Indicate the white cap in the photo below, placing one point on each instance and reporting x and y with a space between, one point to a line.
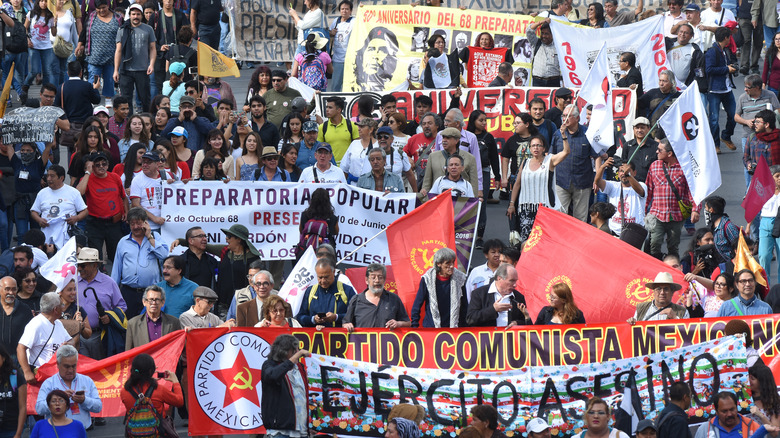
536 425
100 109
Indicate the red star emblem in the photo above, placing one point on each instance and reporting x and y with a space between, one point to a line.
241 381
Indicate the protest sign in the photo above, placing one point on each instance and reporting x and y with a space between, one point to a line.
30 125
215 410
272 212
501 105
578 47
389 42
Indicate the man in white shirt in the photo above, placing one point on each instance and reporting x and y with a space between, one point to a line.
324 171
453 179
686 59
57 207
634 195
42 336
712 18
482 274
146 189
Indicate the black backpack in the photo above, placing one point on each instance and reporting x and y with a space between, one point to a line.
15 38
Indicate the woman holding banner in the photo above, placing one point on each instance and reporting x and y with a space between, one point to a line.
284 405
442 71
485 44
562 309
764 393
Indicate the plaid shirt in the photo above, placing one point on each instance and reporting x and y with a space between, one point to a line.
660 195
754 150
116 129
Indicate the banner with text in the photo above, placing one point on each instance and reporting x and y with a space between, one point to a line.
500 104
350 397
272 212
578 47
225 389
264 31
30 125
389 42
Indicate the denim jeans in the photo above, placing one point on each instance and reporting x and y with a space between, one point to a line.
225 39
20 69
769 35
336 81
60 70
767 245
45 65
106 72
714 101
209 34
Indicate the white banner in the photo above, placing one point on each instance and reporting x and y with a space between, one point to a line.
578 47
301 277
61 268
272 211
596 90
686 126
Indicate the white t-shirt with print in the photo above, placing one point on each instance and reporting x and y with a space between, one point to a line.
149 191
55 206
634 205
42 339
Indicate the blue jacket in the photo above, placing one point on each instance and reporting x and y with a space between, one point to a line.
197 129
716 67
324 301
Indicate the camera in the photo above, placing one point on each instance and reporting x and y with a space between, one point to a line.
708 255
433 53
617 161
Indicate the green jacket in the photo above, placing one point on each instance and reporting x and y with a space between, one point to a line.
768 11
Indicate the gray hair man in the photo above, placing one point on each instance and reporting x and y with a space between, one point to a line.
14 317
250 313
325 303
153 324
468 141
42 336
83 393
376 307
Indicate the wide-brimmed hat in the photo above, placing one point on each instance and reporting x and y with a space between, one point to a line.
663 279
319 41
88 255
270 151
242 233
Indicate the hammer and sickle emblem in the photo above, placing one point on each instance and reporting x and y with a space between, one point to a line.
245 383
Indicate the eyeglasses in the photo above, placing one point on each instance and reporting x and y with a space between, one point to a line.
32 280
101 163
599 413
746 281
263 283
720 284
154 300
282 310
277 80
200 236
383 137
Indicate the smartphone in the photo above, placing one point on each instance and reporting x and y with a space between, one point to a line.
79 392
96 79
322 315
161 374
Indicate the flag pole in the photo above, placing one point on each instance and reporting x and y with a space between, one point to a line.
639 146
362 245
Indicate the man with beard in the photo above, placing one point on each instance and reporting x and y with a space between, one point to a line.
420 146
14 317
376 307
134 57
376 61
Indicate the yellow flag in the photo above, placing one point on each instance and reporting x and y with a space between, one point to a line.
744 260
214 64
6 91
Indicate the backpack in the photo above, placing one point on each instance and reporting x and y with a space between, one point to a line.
313 72
315 233
143 420
15 38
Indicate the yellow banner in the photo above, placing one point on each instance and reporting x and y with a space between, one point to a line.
389 43
6 90
214 64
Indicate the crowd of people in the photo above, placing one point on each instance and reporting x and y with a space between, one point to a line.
167 125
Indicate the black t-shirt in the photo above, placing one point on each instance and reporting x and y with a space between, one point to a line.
554 115
510 150
208 11
9 399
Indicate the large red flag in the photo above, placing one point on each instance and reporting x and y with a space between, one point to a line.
606 275
762 187
413 239
110 374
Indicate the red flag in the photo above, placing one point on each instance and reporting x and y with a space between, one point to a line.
358 278
414 238
110 374
762 187
593 264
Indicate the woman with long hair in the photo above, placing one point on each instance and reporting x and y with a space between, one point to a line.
134 133
178 139
142 381
41 25
215 140
210 170
107 139
89 142
717 292
595 17
289 157
562 309
764 393
397 122
175 169
517 148
771 73
58 425
365 106
488 151
320 208
13 386
259 83
313 46
65 22
451 80
131 166
161 117
245 167
160 101
293 133
535 185
28 289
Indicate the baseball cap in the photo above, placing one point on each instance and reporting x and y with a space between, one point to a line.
154 156
98 156
325 146
450 132
310 126
389 130
177 68
644 424
537 425
186 99
100 109
298 104
179 131
640 121
693 7
135 6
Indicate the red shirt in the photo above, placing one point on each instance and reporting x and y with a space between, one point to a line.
418 142
162 397
105 196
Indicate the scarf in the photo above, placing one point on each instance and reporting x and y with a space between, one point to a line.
406 428
457 281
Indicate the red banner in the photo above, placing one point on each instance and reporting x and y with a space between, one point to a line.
224 365
556 237
110 374
483 65
413 240
762 187
358 278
